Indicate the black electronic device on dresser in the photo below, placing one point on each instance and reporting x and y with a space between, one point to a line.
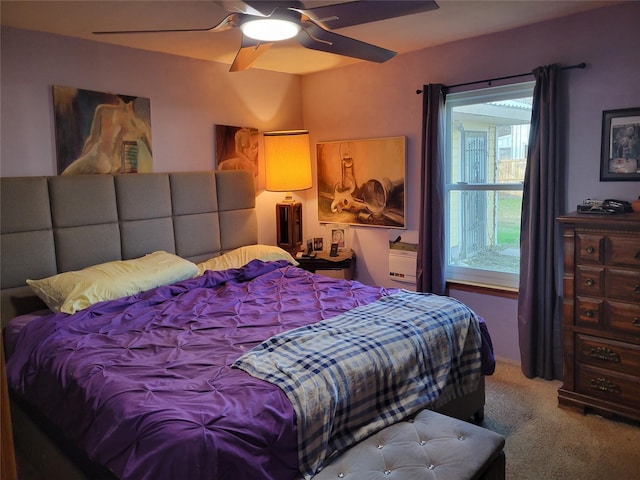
601 314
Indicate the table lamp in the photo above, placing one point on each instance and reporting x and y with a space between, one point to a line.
288 169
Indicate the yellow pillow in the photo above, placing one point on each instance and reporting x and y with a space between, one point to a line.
70 292
243 255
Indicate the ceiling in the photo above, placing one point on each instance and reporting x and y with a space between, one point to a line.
454 20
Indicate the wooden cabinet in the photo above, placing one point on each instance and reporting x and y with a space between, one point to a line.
601 314
289 226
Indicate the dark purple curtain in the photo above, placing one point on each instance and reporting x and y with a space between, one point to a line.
431 249
539 298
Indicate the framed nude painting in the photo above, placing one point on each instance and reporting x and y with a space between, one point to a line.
100 132
237 149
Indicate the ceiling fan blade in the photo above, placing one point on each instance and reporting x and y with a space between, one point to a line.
248 53
364 11
262 8
317 38
230 21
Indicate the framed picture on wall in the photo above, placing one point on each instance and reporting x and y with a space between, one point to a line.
98 132
237 149
620 145
362 182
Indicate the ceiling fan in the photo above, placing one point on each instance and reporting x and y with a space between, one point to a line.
264 22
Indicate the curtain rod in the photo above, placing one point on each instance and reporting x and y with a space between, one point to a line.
489 80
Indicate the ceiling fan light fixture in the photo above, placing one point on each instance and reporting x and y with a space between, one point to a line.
270 29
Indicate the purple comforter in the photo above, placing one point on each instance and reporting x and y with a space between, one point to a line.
143 384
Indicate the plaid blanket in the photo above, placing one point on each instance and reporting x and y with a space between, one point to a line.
354 374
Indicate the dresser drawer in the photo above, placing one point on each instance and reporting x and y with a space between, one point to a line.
615 356
622 284
590 281
614 387
589 312
623 251
590 248
623 317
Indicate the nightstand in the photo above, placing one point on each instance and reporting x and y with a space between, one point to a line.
342 266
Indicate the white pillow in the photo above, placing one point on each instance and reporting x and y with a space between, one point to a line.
72 291
243 255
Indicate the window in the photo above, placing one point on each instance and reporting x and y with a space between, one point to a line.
487 134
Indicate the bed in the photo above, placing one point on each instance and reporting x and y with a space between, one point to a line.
233 364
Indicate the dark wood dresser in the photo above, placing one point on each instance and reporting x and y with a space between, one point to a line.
601 314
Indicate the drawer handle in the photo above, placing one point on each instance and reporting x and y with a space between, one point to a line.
590 249
590 282
604 385
603 353
589 313
636 322
636 290
637 255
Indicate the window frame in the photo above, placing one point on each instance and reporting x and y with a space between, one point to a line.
469 275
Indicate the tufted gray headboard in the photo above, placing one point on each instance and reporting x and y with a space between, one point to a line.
56 224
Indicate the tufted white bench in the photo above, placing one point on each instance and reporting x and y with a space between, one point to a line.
429 447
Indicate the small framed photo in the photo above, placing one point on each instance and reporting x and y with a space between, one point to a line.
620 160
338 234
318 244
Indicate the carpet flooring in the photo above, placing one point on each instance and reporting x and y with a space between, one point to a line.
544 442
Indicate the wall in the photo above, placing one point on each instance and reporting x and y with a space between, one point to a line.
188 97
371 100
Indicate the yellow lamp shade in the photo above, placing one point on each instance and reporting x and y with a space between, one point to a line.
287 160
